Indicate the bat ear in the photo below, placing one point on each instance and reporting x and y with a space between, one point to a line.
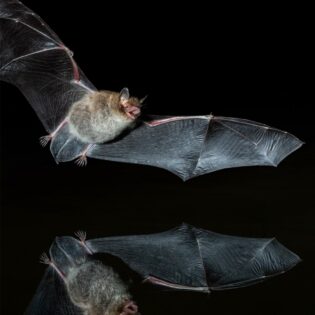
124 95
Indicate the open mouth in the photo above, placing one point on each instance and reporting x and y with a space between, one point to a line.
131 111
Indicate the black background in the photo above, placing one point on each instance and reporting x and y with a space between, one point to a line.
254 63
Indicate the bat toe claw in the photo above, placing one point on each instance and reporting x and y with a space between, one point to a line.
44 259
81 161
81 235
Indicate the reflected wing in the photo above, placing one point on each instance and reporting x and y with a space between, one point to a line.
51 297
187 258
35 60
233 262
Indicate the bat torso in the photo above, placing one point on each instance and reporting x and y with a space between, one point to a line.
97 289
99 117
184 258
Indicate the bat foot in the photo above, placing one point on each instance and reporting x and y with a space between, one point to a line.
81 235
44 259
130 308
44 140
81 161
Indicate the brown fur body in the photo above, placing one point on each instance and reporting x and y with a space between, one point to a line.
97 289
100 116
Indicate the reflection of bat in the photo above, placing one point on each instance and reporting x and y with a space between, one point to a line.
184 258
83 122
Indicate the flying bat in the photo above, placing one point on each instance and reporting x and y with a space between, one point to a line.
184 258
83 122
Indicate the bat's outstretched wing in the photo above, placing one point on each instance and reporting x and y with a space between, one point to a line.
187 258
192 146
35 60
51 297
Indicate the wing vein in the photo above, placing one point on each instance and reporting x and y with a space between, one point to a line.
203 143
239 133
202 262
245 122
32 28
30 54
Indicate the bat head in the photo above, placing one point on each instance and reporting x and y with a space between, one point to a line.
129 106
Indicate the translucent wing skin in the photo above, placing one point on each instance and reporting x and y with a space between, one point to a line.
34 59
195 146
188 258
51 297
184 258
188 146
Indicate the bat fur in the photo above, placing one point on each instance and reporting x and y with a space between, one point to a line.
184 258
97 289
101 116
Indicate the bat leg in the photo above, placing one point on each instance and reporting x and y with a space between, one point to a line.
45 139
44 259
130 308
82 159
81 235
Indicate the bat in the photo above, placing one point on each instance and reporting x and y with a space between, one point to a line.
183 258
83 122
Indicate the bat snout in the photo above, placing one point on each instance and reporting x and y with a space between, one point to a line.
131 108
